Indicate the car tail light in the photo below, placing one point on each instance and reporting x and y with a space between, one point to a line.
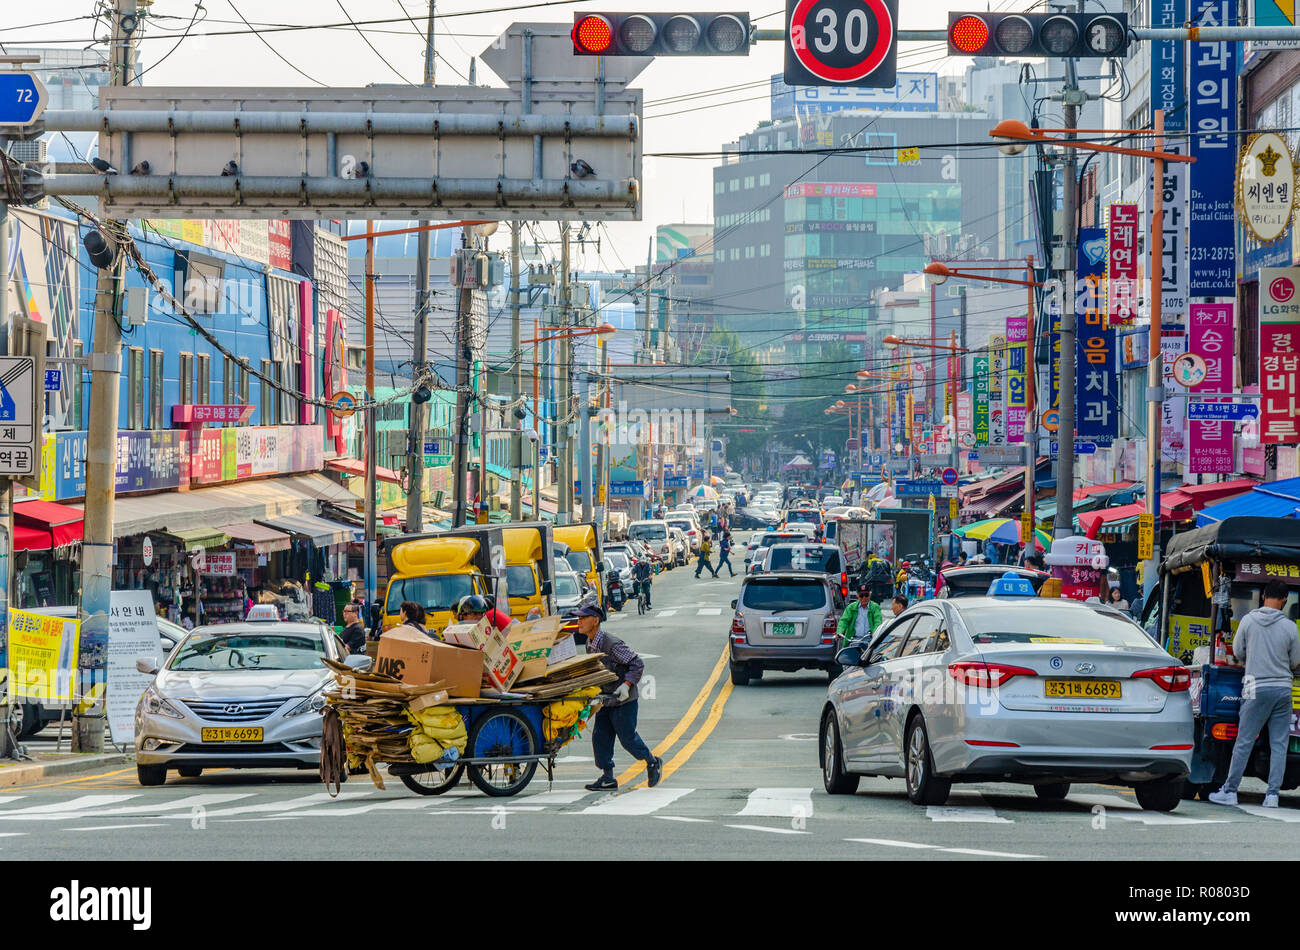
1224 730
844 585
1172 679
986 674
737 628
828 630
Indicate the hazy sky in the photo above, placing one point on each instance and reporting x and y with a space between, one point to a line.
674 189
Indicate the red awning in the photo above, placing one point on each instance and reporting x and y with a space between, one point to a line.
1093 521
1183 503
357 469
62 524
31 539
1085 491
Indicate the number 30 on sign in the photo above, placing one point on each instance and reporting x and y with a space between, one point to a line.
841 43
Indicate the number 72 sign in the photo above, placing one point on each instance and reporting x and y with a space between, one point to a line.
841 43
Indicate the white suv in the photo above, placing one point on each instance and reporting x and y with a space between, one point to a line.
657 537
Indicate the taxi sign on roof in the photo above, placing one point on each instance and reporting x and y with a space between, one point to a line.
1012 584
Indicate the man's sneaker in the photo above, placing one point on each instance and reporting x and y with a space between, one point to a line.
605 783
1270 801
655 767
1223 798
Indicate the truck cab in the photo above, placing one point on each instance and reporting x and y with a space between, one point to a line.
530 568
584 554
439 568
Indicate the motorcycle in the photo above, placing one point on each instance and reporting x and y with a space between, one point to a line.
615 595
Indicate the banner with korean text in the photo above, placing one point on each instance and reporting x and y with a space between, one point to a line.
1121 262
1017 341
1279 354
1096 374
981 400
1209 336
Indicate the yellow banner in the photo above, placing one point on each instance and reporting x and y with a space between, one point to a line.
1026 528
42 656
1146 536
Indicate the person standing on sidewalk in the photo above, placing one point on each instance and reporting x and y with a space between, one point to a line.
354 634
617 715
706 549
1269 643
724 554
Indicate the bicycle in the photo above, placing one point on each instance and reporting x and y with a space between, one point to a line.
642 597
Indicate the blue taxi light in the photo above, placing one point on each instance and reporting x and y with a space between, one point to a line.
1012 584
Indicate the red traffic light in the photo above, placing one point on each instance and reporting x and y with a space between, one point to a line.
968 34
593 34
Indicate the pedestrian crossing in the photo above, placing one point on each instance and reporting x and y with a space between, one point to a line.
792 807
664 613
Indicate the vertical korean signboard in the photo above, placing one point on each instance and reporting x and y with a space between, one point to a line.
1173 441
1279 354
1210 336
997 387
981 400
1212 104
1096 388
1017 341
1169 92
1121 263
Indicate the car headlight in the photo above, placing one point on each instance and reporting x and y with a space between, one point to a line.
153 701
313 703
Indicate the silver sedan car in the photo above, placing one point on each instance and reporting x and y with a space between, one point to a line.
240 695
1009 689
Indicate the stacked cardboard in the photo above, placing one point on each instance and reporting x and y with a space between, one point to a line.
567 677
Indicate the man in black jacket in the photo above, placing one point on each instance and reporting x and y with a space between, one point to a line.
354 634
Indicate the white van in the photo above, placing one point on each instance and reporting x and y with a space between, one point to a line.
656 536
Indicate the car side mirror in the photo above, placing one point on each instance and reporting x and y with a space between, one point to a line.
358 662
546 588
733 604
146 665
849 656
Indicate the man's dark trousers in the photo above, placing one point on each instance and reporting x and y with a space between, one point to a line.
620 721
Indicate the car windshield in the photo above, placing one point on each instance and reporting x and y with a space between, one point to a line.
808 517
566 585
204 651
684 525
784 594
1051 626
435 592
800 557
647 532
520 581
618 559
579 560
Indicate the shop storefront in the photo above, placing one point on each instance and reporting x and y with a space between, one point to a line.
47 553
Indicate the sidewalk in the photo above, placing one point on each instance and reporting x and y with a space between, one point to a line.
47 765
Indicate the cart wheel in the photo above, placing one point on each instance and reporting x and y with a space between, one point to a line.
434 782
498 735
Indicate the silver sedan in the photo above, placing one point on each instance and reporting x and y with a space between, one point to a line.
1009 689
241 695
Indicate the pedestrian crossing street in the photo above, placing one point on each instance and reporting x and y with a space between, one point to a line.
797 808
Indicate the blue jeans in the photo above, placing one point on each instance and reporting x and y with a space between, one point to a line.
1270 707
725 559
620 721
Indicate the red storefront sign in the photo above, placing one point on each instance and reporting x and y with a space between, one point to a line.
1121 262
1279 354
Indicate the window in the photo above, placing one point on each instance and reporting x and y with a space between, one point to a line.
156 419
135 389
749 182
270 396
764 179
734 185
784 594
924 635
78 419
187 379
203 279
765 250
229 382
243 382
1048 621
202 379
719 187
890 642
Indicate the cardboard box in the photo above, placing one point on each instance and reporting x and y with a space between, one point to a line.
429 699
532 641
460 669
564 649
472 635
406 654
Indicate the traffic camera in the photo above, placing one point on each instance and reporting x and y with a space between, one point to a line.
661 34
1067 35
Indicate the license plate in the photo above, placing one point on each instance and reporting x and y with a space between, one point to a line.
1083 689
233 734
783 630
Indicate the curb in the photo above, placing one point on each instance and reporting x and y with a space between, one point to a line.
28 772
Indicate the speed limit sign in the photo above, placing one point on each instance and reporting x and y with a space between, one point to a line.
841 43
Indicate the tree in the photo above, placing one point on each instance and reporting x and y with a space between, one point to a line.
725 351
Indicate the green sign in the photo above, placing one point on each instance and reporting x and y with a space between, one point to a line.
981 421
436 461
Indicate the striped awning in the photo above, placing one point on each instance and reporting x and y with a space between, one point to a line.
264 540
200 538
321 532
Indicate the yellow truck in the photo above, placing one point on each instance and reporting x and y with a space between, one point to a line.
530 568
584 554
437 569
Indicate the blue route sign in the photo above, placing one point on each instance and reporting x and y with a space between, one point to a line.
1222 411
918 488
22 99
1080 448
53 380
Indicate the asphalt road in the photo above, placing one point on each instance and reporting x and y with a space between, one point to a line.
741 781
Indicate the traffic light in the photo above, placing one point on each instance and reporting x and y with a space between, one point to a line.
1077 35
661 34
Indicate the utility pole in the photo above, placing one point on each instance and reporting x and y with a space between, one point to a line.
6 485
564 496
415 437
372 418
649 292
517 387
1155 368
101 435
1064 524
460 460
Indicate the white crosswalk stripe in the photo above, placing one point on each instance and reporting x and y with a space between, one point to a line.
639 801
709 612
284 806
69 808
188 803
971 813
670 612
1119 807
778 803
1277 814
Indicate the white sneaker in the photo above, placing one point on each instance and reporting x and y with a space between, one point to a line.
1223 798
1270 801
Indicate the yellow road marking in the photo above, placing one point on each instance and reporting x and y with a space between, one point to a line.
697 740
72 781
682 724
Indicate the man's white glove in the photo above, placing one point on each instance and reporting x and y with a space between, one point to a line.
623 692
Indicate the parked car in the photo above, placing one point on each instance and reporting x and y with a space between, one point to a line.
820 558
568 592
784 621
654 535
681 545
1010 688
238 695
974 581
689 526
752 519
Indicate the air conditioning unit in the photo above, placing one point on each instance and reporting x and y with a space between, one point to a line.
30 151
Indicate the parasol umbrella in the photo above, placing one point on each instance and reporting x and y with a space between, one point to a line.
702 491
1001 531
717 482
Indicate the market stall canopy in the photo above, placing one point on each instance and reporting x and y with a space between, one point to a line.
1183 503
1109 520
799 461
321 532
1000 531
263 539
1235 537
200 538
227 504
1109 488
31 539
357 469
61 524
